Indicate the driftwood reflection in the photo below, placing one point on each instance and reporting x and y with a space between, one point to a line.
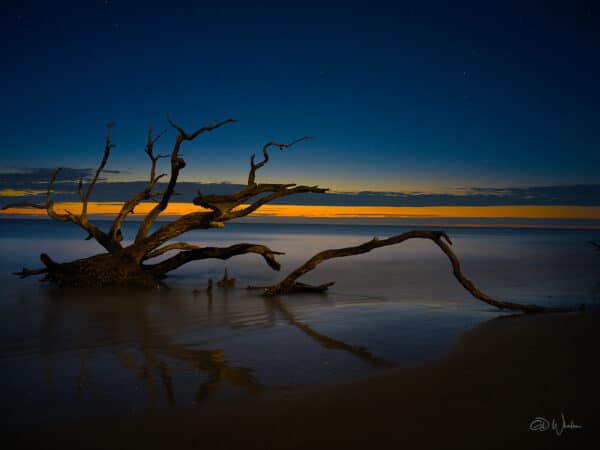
149 354
90 322
277 304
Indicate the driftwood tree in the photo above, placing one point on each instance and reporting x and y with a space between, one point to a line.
131 265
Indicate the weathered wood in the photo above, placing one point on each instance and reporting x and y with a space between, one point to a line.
255 166
223 253
440 238
127 265
177 164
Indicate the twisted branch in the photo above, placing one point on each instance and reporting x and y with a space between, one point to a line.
222 206
129 206
440 238
222 210
168 248
283 191
223 253
177 163
254 167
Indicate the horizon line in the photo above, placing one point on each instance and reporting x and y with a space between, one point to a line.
347 212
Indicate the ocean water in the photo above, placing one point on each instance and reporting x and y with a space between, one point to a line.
70 353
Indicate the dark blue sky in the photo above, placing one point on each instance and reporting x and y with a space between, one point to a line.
400 95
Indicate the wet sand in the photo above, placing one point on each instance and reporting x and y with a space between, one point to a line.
484 394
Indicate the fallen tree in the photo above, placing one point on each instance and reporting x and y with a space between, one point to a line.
131 265
440 238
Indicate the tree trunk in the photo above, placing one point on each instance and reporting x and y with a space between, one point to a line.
107 269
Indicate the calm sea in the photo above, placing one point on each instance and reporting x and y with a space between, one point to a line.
67 353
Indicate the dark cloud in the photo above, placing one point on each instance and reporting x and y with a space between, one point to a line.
35 176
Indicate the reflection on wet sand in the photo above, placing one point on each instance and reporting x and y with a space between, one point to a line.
126 323
277 304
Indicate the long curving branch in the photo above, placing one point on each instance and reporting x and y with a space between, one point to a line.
224 253
440 238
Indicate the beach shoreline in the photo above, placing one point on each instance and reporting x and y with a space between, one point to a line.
498 378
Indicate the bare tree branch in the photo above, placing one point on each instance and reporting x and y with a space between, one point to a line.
221 206
48 206
184 257
168 248
107 147
282 192
78 219
191 136
288 284
254 167
129 206
187 222
177 163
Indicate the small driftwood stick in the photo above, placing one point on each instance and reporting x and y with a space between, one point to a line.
226 281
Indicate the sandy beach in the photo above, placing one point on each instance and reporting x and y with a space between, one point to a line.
485 393
177 369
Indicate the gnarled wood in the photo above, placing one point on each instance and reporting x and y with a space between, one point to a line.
223 253
254 167
126 265
440 238
129 206
167 248
177 163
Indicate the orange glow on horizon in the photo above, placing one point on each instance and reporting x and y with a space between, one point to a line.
341 212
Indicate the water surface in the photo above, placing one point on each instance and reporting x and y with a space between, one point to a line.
67 353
